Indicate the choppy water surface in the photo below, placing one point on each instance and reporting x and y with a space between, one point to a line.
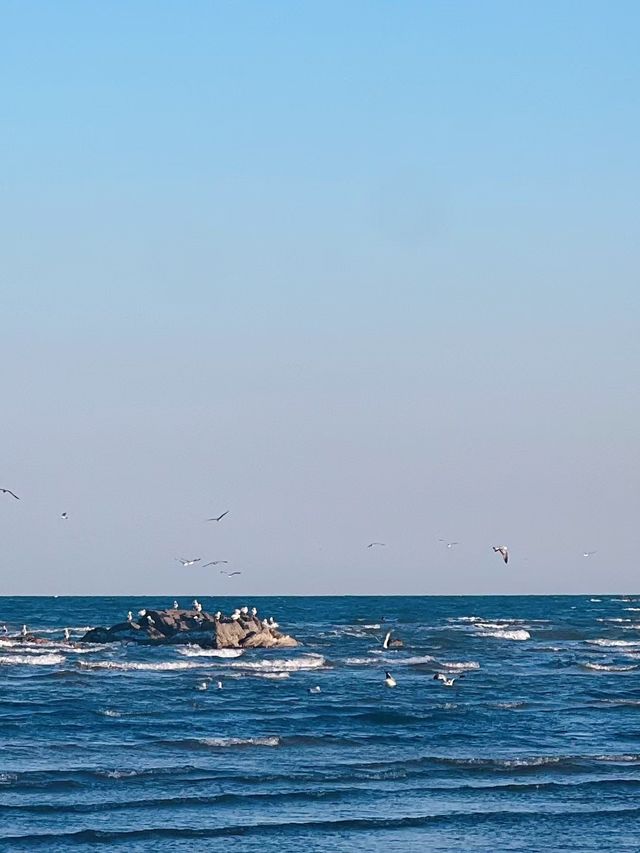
536 748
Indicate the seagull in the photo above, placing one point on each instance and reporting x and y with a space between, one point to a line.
254 611
219 685
589 553
220 517
214 563
65 515
503 550
229 574
389 680
448 544
373 544
188 562
197 606
9 492
446 682
67 634
176 606
315 689
218 615
244 611
129 616
203 685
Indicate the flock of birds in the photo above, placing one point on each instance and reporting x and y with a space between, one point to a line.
503 550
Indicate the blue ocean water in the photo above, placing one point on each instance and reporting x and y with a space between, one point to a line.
536 748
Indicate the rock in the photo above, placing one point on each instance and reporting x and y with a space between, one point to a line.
188 626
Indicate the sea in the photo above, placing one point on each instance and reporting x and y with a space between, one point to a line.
535 746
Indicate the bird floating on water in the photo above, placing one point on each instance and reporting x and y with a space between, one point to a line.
503 551
389 680
202 685
9 492
315 689
219 685
220 517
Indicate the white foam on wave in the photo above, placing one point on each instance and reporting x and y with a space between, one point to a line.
606 667
595 599
517 634
460 665
304 662
32 660
632 609
193 652
613 619
108 712
372 627
601 641
162 666
221 742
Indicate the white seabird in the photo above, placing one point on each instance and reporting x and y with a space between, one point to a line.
503 551
449 544
188 562
197 606
315 689
254 611
389 680
235 615
218 614
446 681
244 611
176 606
202 685
385 644
589 553
24 631
67 634
129 616
219 685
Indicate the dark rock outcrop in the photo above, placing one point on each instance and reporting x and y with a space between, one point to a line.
189 626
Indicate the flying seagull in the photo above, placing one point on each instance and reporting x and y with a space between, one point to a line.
373 544
503 551
214 563
188 562
446 681
220 517
448 544
65 515
9 492
229 574
589 553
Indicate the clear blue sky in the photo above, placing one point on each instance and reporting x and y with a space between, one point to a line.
354 271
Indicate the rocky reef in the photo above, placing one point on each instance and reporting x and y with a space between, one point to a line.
241 631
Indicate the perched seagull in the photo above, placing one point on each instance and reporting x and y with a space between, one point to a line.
389 680
503 551
244 611
129 616
235 615
218 614
448 544
220 517
373 544
589 553
9 492
229 574
254 611
188 562
197 606
65 516
142 612
214 563
176 606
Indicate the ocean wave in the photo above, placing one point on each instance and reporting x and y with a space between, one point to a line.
222 742
517 634
460 665
32 660
193 652
304 662
133 666
606 667
601 641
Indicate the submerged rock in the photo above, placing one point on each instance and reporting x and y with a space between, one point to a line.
189 626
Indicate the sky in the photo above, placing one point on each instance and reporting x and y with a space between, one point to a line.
355 272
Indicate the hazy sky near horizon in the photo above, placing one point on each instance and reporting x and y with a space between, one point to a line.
353 271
